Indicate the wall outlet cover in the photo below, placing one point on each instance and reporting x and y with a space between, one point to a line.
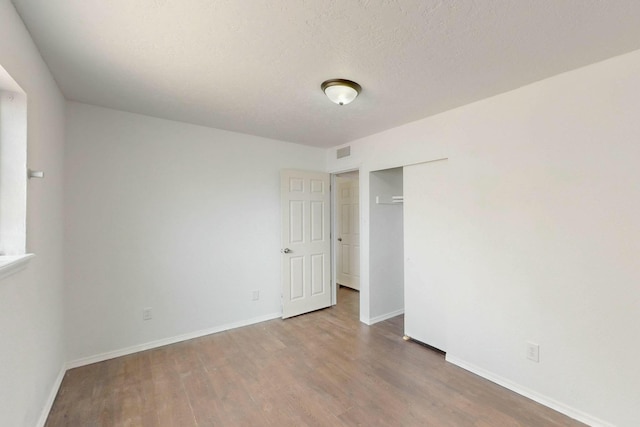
533 352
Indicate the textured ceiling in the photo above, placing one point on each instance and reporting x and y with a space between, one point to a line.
255 66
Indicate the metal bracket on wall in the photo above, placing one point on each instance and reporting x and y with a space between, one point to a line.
389 200
34 174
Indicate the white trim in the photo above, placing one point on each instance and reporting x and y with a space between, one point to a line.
386 316
533 395
12 264
166 341
52 397
334 252
345 169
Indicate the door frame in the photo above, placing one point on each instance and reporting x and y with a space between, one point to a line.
334 231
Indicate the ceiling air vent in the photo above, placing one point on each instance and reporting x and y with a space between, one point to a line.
343 152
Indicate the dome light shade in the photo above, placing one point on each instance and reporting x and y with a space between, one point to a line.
341 91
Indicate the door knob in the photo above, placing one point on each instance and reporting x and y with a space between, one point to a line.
339 239
286 251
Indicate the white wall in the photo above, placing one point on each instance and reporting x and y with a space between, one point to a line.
390 149
386 278
31 334
177 217
544 238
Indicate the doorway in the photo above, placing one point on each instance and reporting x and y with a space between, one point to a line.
346 232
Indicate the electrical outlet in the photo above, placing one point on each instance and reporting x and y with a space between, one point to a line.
255 295
147 314
533 352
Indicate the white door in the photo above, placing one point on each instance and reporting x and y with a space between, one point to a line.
426 249
306 243
348 232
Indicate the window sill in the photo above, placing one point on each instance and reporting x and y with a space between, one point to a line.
12 264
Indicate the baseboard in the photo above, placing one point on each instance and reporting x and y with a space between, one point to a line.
166 341
386 316
543 400
52 397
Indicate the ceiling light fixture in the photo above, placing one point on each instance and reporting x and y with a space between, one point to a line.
341 91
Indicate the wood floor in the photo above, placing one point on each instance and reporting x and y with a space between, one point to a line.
321 369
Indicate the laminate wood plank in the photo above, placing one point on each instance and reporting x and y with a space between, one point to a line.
324 368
